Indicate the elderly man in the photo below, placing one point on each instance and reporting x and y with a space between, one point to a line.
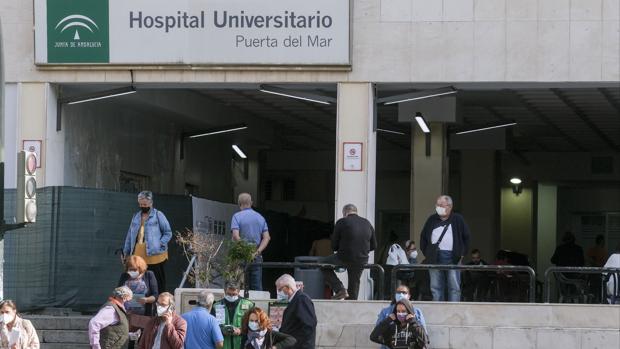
167 330
353 238
447 233
299 318
148 237
229 312
109 329
203 330
250 226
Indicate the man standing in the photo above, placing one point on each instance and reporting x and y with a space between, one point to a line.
450 232
203 331
250 226
299 318
353 238
229 312
167 330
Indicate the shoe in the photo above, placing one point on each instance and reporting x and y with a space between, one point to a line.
342 294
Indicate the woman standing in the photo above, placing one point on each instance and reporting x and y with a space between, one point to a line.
142 283
400 330
15 332
148 237
256 329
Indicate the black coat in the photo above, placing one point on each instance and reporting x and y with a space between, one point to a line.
353 238
273 338
460 235
151 287
299 320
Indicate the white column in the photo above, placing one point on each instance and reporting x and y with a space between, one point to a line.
355 124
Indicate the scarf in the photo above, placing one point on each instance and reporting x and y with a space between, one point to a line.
256 338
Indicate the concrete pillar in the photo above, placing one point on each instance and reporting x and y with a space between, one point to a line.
479 199
32 121
355 124
429 175
546 226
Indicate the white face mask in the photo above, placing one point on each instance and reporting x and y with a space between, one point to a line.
253 325
161 310
133 274
400 296
441 211
6 318
414 254
231 299
282 297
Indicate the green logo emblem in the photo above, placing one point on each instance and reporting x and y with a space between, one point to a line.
78 31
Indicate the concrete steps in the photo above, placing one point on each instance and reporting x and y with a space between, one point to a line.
61 332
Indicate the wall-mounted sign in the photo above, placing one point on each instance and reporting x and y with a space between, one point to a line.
352 156
35 147
193 32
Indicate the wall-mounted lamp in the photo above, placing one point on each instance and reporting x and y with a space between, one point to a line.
422 123
517 188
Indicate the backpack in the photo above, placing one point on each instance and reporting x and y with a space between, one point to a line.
396 256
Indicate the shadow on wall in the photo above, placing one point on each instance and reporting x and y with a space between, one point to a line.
66 259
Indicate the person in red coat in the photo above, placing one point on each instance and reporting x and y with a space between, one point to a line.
167 330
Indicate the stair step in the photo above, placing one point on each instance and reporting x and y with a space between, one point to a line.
63 336
42 322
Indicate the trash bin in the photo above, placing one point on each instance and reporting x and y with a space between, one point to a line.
311 277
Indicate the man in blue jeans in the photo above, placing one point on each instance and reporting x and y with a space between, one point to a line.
453 246
251 226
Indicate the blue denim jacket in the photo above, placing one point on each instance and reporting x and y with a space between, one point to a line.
157 233
385 312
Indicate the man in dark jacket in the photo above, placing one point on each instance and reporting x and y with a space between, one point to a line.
353 238
299 318
453 246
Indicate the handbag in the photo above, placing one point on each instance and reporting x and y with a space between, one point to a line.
433 250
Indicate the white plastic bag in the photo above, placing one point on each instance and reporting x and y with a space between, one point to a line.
396 255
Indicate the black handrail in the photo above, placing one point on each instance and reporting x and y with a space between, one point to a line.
583 270
487 268
288 265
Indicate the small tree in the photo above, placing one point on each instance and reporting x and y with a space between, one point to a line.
240 253
205 247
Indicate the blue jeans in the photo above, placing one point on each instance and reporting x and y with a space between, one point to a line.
256 275
441 278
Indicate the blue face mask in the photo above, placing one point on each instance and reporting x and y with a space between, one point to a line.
400 296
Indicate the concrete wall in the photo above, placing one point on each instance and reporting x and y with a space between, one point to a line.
516 226
427 40
547 207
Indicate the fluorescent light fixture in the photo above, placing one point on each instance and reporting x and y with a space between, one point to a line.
239 151
304 96
101 95
219 131
515 180
422 123
391 131
486 128
414 96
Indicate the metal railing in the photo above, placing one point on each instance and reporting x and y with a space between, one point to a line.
288 265
479 268
580 270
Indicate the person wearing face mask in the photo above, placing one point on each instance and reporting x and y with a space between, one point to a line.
257 333
229 311
166 330
142 283
400 329
148 237
203 330
445 240
402 292
15 332
299 318
109 328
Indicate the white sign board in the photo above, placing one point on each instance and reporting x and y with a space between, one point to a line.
193 32
352 156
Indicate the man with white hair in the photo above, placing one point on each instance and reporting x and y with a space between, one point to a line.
445 240
109 329
353 238
251 226
299 318
203 330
